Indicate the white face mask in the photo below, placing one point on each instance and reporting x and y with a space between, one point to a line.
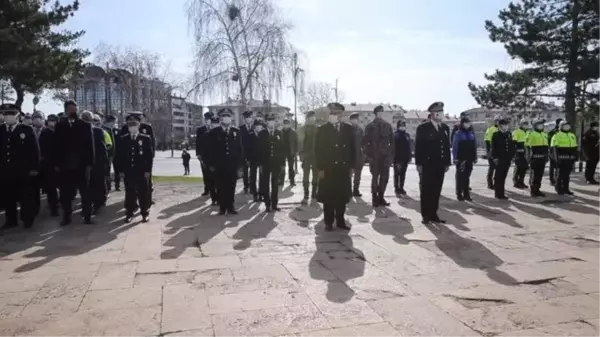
226 120
271 124
310 120
10 119
566 128
38 122
333 119
133 129
354 121
525 126
258 128
504 128
466 125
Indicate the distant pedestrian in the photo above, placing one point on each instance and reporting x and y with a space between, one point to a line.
185 156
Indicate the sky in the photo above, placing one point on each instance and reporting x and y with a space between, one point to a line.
404 52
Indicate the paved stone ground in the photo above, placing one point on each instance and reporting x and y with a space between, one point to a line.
522 267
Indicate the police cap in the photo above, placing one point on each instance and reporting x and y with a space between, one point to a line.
310 114
134 116
208 115
247 113
52 118
9 108
558 121
436 107
225 112
335 108
378 108
354 115
271 117
214 119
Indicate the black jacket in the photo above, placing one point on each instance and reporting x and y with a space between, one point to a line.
19 152
135 155
225 151
290 141
271 151
432 147
590 144
402 153
73 146
502 147
45 142
100 149
201 139
145 129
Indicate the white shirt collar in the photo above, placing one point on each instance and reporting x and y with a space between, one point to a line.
134 135
435 124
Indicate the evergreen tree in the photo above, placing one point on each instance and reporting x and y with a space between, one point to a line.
35 55
557 41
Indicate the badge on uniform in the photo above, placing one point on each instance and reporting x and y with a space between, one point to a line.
143 130
22 135
277 137
141 152
234 134
140 142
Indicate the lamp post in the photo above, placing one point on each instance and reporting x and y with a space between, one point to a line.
297 70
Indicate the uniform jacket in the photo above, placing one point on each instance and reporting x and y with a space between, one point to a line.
100 149
45 142
432 147
247 133
270 149
19 151
145 129
402 152
73 145
201 140
464 146
290 141
502 147
307 152
185 156
336 156
225 151
378 141
135 154
359 134
590 144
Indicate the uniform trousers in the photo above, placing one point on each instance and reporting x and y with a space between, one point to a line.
117 173
380 175
50 187
463 178
332 211
269 177
98 187
252 178
500 177
563 176
536 174
246 176
552 171
400 175
291 173
19 191
490 172
226 179
137 192
107 172
431 182
205 177
186 167
590 169
71 182
357 174
519 171
310 177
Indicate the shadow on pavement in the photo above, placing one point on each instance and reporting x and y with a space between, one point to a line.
594 194
257 228
517 201
182 208
479 206
387 222
360 209
302 215
469 253
344 269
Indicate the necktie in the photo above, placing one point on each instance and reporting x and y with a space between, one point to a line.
10 128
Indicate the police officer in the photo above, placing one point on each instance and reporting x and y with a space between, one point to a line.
37 123
464 152
552 170
19 166
536 151
210 177
359 158
335 158
272 154
290 141
98 190
201 145
47 174
378 146
501 152
26 119
402 156
226 158
489 133
564 150
307 155
73 158
258 127
146 129
519 136
591 152
246 131
109 127
135 153
432 157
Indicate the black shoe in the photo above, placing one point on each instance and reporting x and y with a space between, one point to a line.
329 227
152 202
268 210
205 193
460 198
438 220
467 198
118 189
425 221
569 192
255 198
383 202
66 221
342 225
88 220
222 212
28 224
490 187
402 192
501 197
292 183
54 213
470 189
232 211
593 182
8 225
128 219
375 203
145 218
214 203
356 193
276 209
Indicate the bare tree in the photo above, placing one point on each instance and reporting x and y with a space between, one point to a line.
315 95
239 42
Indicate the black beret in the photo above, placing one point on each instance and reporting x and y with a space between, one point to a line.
354 115
401 123
310 114
436 107
337 107
378 108
9 107
247 113
52 117
464 120
208 115
593 124
225 111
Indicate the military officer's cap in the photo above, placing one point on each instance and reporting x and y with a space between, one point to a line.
354 115
52 118
134 116
335 108
247 113
110 118
310 114
503 121
378 108
436 107
208 115
225 112
9 107
593 124
400 123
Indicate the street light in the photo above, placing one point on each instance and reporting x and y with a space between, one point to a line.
297 70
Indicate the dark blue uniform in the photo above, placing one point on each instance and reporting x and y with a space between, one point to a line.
271 155
246 132
464 151
502 152
98 188
225 157
47 174
135 153
19 164
402 156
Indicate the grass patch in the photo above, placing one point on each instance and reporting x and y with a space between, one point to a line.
177 179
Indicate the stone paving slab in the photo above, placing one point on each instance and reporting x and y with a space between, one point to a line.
521 267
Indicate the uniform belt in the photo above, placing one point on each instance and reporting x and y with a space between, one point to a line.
564 157
538 156
520 150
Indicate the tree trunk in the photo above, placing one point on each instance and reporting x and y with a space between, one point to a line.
20 96
572 72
